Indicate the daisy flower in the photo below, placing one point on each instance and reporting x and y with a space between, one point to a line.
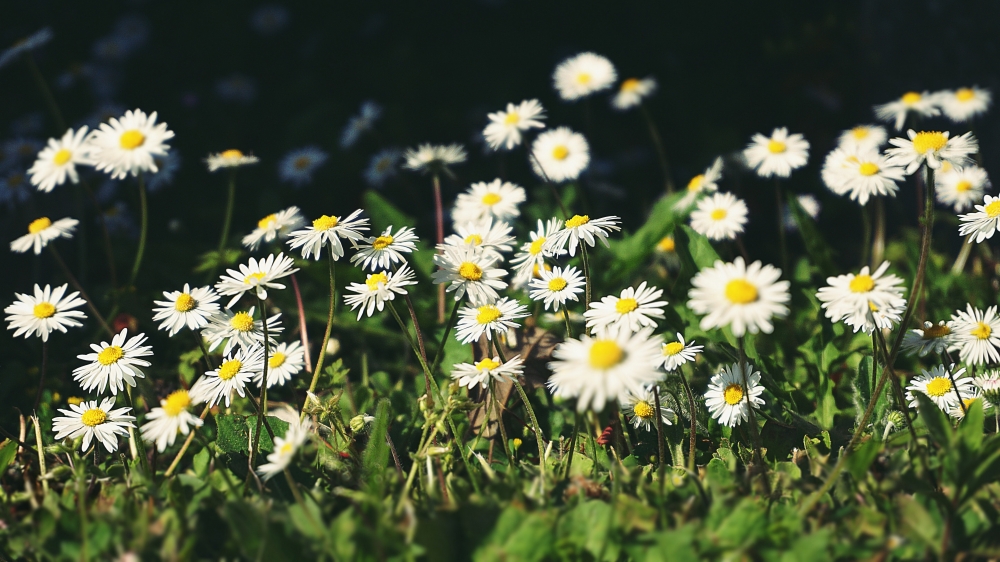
582 75
497 199
273 226
937 385
328 230
964 104
380 252
933 338
92 420
47 310
433 157
922 104
632 92
862 138
506 127
864 175
743 298
579 229
58 160
864 301
128 144
239 329
231 158
532 255
809 204
557 286
113 364
479 374
640 409
932 148
961 188
778 154
958 411
382 166
297 166
171 417
285 448
472 271
975 334
360 124
981 224
188 307
727 399
604 367
677 353
560 154
719 217
492 238
377 289
41 231
236 371
989 384
255 277
705 182
633 310
499 317
283 362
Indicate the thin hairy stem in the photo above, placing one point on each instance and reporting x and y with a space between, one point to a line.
76 285
326 335
143 230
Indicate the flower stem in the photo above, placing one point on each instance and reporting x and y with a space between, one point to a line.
659 427
262 410
878 244
226 221
569 328
326 334
439 356
302 322
963 256
779 201
586 271
754 433
76 285
41 456
41 378
430 387
531 414
439 238
694 422
661 154
187 443
43 87
139 445
143 230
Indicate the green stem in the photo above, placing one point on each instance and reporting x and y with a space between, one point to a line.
781 224
430 386
659 427
586 272
76 285
572 443
754 433
226 222
187 443
661 153
143 230
46 92
439 356
326 334
139 445
569 328
878 245
262 410
694 422
531 414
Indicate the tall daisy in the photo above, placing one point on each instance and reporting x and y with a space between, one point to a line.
640 409
582 75
482 372
741 297
231 158
634 310
933 338
964 104
128 145
921 104
866 174
497 199
472 271
47 310
728 401
506 126
239 329
778 154
386 249
377 289
937 385
961 188
283 362
983 222
705 182
533 254
560 155
676 353
274 226
932 148
255 277
557 286
93 420
171 417
188 307
719 217
580 229
236 371
41 231
59 159
498 317
434 158
114 364
975 334
862 138
328 231
864 301
632 91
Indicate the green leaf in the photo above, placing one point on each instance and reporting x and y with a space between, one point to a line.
694 248
376 454
633 251
8 450
235 432
971 427
862 458
936 421
818 250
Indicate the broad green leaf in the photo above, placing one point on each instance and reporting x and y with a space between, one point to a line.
236 431
8 450
376 454
818 250
936 421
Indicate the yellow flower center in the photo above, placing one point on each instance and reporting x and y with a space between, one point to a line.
487 364
536 272
695 183
733 394
935 332
44 310
254 277
276 360
963 186
938 386
630 85
62 157
325 222
624 306
511 119
860 133
287 449
176 402
673 348
491 199
229 369
184 303
868 169
666 244
776 146
577 220
605 354
382 242
964 94
39 225
740 291
470 271
583 78
560 152
110 355
926 141
93 417
536 246
374 279
74 400
643 409
131 139
232 154
982 331
487 314
718 214
910 98
474 239
557 284
242 321
993 209
267 221
861 284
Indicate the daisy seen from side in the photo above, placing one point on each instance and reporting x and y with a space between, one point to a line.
964 104
931 339
170 418
491 237
386 249
239 329
255 277
434 157
921 104
705 182
274 226
471 375
778 154
233 375
329 231
982 223
864 301
676 353
961 188
285 448
937 385
581 229
231 158
532 254
377 289
862 137
57 162
632 91
497 199
506 127
41 231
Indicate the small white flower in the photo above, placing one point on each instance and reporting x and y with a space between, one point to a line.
933 338
922 104
964 104
283 362
532 255
961 188
741 297
433 158
634 310
128 145
497 199
492 238
499 317
41 231
479 374
640 409
285 448
380 252
560 155
727 399
677 353
989 384
231 158
377 289
171 417
719 217
557 286
59 159
328 230
937 385
271 227
864 301
234 374
862 175
932 148
778 154
581 229
472 271
506 127
93 420
632 92
43 312
255 277
705 182
975 334
862 138
239 329
112 365
582 75
189 307
981 224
